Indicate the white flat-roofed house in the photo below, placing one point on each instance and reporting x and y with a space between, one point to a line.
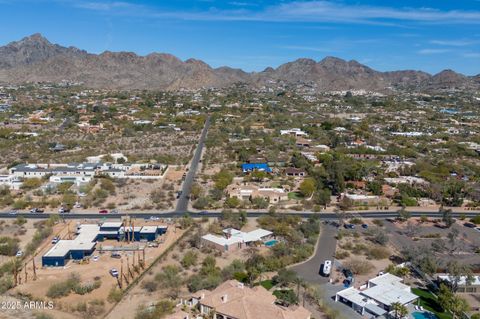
235 239
10 181
294 131
381 292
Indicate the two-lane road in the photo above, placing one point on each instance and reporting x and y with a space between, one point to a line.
182 203
177 214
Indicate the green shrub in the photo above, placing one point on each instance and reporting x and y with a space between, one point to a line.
115 295
378 252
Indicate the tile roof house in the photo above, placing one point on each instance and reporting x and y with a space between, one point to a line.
248 192
233 300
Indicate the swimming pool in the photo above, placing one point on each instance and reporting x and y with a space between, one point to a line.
271 243
424 315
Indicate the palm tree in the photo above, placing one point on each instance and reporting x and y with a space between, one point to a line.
399 309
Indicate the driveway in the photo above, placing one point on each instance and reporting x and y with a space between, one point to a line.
326 244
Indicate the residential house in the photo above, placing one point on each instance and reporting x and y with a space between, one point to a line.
294 131
463 285
234 239
248 192
293 171
376 299
249 167
234 300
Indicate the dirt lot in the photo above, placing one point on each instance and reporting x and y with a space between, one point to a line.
37 289
357 246
415 234
138 296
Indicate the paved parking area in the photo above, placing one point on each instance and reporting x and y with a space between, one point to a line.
327 242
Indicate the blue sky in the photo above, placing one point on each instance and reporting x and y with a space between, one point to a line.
386 35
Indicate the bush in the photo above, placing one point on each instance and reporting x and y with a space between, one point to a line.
287 296
64 288
476 220
359 267
342 254
378 222
189 259
149 286
8 246
161 309
378 252
115 295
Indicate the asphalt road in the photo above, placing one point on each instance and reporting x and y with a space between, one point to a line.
182 203
310 269
176 214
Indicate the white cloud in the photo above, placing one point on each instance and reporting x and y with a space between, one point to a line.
432 51
297 11
454 43
471 55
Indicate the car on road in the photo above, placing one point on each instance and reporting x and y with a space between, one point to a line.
103 211
13 212
63 210
19 253
114 211
153 218
55 240
179 193
326 268
114 272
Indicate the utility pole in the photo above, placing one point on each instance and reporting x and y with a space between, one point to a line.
26 274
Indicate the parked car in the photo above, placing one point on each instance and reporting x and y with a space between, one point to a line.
114 272
55 240
95 258
470 225
154 218
152 244
114 211
63 210
36 210
179 193
19 253
349 226
13 212
103 211
116 255
364 226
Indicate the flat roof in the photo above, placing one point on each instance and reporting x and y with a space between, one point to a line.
63 247
149 229
112 224
353 295
388 294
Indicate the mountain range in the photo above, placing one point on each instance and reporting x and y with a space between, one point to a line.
35 59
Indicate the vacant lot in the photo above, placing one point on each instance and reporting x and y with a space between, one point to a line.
90 273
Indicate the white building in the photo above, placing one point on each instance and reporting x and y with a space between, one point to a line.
294 132
380 293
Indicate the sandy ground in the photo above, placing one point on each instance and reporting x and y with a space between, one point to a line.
138 296
87 272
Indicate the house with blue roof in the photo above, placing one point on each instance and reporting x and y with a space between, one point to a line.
249 167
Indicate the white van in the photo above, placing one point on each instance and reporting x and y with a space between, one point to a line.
327 268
